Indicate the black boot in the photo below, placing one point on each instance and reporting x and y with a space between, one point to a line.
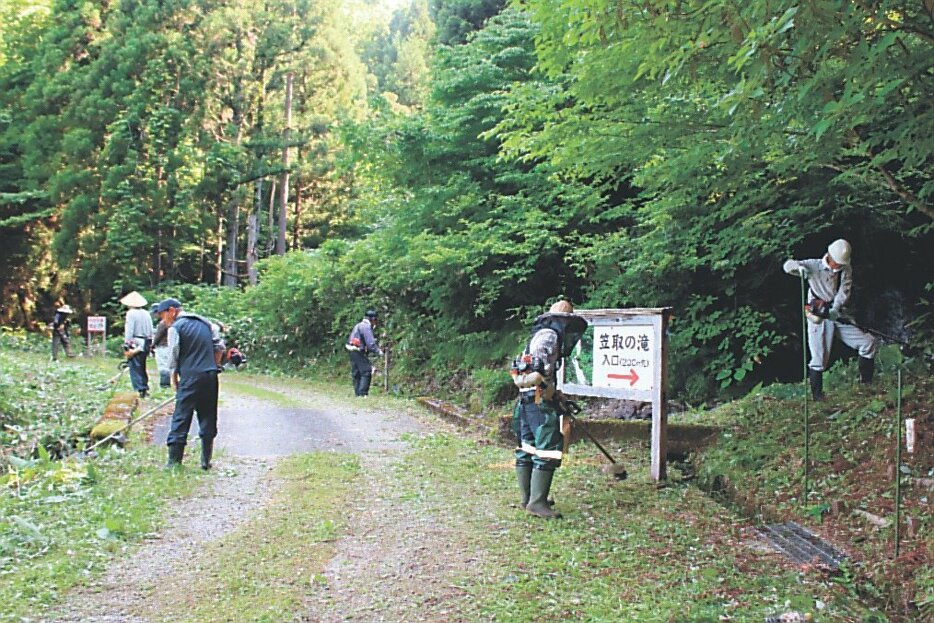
176 454
867 367
538 498
817 383
524 477
207 449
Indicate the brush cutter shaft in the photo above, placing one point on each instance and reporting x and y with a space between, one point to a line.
132 422
569 408
591 438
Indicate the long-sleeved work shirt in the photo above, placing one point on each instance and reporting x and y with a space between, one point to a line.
363 331
138 327
825 283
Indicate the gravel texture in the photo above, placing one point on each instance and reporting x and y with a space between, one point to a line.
398 561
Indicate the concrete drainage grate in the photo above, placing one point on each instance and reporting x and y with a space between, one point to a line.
801 545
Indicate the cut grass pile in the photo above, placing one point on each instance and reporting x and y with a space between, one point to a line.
62 522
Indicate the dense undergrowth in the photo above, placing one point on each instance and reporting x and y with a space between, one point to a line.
758 465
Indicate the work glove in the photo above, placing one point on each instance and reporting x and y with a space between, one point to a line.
833 314
803 271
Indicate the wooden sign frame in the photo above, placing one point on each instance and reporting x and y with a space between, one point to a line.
656 319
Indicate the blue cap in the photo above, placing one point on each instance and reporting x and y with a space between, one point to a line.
166 304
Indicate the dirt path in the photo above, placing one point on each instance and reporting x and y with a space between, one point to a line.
396 562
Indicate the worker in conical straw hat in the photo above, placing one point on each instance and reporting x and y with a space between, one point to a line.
137 337
59 325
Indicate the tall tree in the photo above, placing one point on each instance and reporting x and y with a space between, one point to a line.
749 129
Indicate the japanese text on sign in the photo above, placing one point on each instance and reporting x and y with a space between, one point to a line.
623 357
97 324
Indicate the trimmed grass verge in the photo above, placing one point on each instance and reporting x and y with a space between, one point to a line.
262 571
62 522
625 551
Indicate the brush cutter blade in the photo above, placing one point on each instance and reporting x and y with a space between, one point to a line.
615 470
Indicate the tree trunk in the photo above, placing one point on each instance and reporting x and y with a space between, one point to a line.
219 249
297 228
233 228
284 187
252 234
271 241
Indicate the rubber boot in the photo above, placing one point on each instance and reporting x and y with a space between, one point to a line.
524 477
176 454
817 383
538 495
867 367
207 449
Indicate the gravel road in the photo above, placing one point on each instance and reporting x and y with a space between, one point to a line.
392 551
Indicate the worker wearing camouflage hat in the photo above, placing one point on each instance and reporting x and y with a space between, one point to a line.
830 281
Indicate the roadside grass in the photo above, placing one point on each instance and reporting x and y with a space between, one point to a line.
624 551
758 464
262 571
47 404
62 522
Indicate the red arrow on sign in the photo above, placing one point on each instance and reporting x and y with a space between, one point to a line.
632 377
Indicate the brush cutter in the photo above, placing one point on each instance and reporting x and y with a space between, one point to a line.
119 431
112 381
569 408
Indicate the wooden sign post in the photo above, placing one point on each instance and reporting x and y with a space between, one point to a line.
623 355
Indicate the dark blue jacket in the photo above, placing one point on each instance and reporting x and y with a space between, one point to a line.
197 341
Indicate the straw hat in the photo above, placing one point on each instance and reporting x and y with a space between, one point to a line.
134 299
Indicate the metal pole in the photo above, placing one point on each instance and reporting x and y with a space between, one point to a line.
898 464
804 352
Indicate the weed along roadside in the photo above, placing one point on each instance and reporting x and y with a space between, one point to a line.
382 519
745 458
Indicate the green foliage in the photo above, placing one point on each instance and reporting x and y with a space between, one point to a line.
727 136
457 19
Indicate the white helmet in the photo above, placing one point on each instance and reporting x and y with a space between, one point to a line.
839 252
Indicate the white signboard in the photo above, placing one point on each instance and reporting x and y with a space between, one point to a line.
97 324
624 357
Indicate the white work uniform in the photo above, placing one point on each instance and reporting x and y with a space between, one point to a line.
833 287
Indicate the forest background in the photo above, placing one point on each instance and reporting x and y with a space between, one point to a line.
282 165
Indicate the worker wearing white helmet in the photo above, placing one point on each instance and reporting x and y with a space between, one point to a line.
830 282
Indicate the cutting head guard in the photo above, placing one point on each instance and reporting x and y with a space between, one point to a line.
65 309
